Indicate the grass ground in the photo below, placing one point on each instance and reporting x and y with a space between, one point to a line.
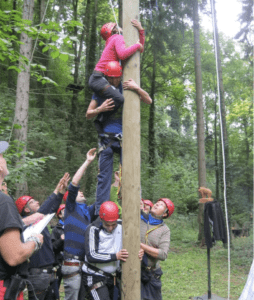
185 270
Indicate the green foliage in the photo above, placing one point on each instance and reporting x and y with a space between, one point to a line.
57 116
185 270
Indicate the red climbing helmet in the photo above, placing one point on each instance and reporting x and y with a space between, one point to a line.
170 206
61 207
65 196
148 202
106 30
109 211
21 202
113 69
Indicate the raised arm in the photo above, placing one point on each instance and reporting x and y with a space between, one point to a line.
90 156
141 30
54 200
62 184
132 86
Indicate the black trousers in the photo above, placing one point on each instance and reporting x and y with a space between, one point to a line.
97 82
151 284
105 292
43 286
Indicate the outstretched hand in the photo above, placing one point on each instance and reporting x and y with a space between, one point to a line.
136 24
63 184
91 154
122 255
130 85
141 254
107 105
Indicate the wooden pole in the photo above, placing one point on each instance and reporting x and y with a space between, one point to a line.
131 161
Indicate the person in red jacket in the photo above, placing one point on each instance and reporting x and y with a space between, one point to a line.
114 50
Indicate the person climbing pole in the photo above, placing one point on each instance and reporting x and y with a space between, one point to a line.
110 130
114 50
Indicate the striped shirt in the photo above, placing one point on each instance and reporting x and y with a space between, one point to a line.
101 247
77 217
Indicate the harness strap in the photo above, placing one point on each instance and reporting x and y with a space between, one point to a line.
150 230
112 136
92 267
71 275
97 285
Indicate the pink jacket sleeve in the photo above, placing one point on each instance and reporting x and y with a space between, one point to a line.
122 51
142 38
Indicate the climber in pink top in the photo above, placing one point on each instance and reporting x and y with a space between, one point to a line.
114 50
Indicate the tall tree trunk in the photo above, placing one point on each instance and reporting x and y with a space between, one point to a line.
90 133
223 113
200 118
87 27
74 101
22 93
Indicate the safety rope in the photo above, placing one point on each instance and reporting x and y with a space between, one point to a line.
150 230
35 44
111 4
222 142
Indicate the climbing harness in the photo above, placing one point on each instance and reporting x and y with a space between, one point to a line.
112 137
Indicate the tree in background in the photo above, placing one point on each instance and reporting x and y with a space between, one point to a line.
200 119
22 93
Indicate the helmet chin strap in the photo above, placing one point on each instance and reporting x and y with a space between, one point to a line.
31 212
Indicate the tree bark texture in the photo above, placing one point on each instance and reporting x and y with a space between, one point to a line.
200 117
224 139
131 192
23 85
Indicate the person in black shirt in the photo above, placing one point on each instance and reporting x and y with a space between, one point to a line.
13 252
57 239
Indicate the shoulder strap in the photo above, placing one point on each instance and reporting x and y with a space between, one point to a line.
150 230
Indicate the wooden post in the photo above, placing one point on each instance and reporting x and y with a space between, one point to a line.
131 161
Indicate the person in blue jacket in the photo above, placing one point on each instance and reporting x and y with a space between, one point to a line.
77 217
41 273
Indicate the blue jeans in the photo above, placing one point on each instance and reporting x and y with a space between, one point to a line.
71 284
105 173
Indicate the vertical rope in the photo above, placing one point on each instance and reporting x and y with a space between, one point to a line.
222 143
35 44
111 4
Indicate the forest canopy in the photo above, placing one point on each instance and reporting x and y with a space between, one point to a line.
49 50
